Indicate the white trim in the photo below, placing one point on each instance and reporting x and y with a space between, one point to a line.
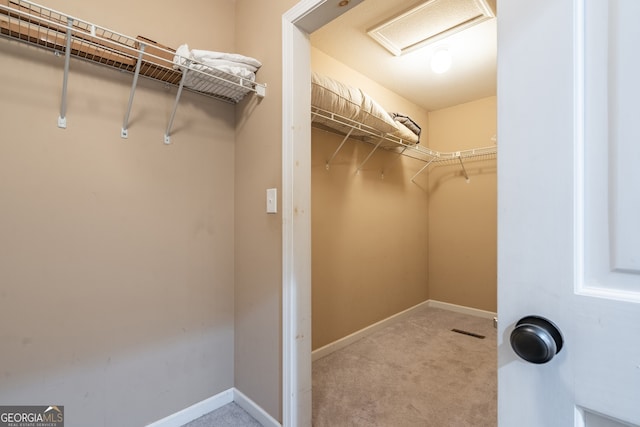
196 410
301 10
296 205
462 309
254 409
199 409
578 417
289 354
296 221
358 335
578 144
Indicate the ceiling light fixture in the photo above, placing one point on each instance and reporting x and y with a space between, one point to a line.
441 60
343 3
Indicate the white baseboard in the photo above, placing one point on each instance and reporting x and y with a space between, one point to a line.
351 338
196 410
199 409
461 309
254 410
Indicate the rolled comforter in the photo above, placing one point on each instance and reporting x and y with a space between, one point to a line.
408 123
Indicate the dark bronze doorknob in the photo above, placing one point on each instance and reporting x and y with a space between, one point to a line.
536 339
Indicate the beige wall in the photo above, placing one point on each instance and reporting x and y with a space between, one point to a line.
462 216
116 256
369 230
258 236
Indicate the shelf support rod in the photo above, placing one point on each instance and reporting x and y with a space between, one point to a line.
62 119
370 154
124 133
422 169
167 137
339 148
464 171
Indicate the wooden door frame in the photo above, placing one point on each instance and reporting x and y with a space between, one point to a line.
296 221
297 23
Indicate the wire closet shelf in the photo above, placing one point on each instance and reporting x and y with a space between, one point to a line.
45 28
349 128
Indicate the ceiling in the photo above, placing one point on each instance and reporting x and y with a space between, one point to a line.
473 71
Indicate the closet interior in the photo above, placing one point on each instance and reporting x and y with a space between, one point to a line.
403 180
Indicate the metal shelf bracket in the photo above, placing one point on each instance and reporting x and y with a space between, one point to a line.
464 171
124 133
167 134
370 154
422 169
339 148
62 119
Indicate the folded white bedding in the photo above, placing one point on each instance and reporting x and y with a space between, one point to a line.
205 56
227 68
234 63
219 73
218 63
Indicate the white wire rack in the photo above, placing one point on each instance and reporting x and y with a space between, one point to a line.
46 28
348 128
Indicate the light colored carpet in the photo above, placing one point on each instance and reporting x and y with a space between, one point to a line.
230 415
415 372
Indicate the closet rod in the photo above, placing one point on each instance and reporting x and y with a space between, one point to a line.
62 119
167 137
124 133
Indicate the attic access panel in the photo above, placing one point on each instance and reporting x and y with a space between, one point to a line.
430 21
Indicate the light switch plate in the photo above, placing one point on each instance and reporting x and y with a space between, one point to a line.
272 200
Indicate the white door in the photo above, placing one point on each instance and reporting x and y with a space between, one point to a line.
569 209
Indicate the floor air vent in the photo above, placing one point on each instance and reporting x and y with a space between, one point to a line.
471 334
